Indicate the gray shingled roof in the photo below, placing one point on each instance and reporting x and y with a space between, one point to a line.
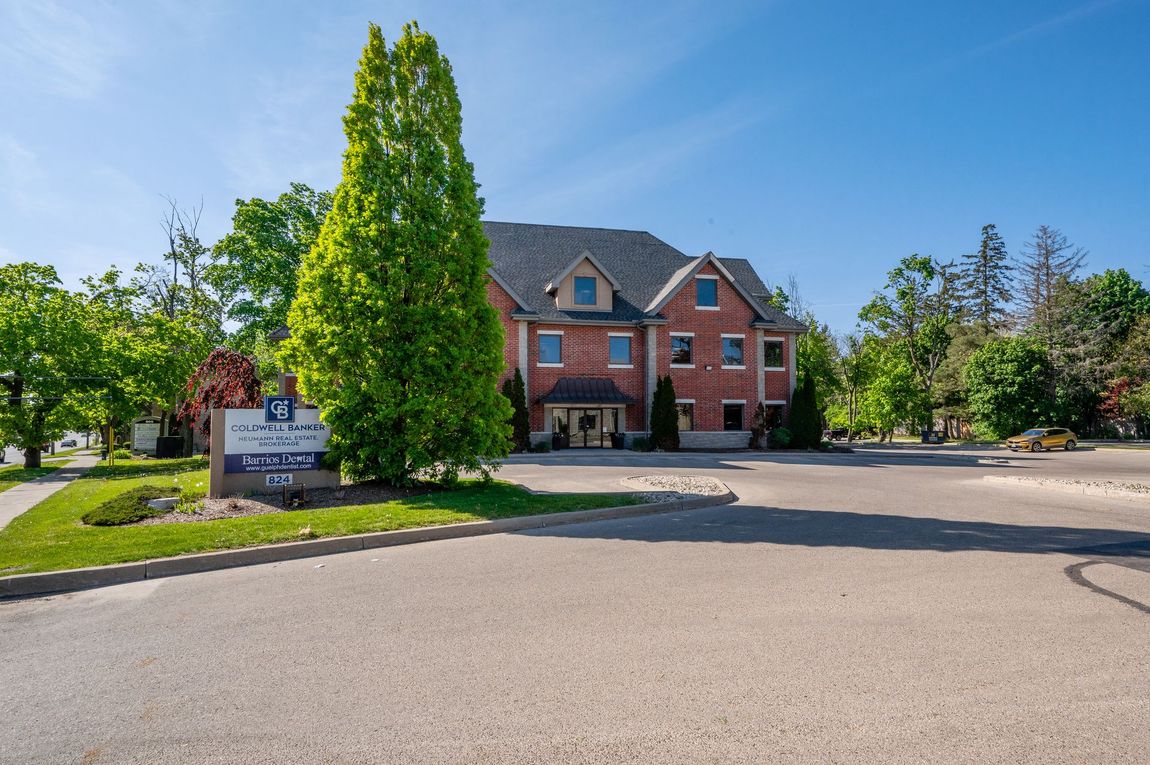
585 390
527 256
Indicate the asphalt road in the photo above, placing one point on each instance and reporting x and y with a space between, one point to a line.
875 607
10 455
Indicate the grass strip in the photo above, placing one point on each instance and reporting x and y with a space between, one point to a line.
51 537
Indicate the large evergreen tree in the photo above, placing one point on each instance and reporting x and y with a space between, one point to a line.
1049 262
984 280
392 335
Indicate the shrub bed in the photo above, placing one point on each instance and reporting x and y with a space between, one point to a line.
129 507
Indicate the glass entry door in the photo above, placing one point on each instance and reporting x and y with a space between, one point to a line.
586 427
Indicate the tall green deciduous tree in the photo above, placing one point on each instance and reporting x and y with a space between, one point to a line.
949 386
260 258
915 310
1113 301
48 355
145 357
1008 383
392 335
855 367
984 281
892 396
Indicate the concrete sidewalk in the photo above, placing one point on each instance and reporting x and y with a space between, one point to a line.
24 497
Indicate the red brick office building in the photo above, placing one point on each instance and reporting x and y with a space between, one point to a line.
593 316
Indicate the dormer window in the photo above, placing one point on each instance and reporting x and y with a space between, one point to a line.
585 290
707 293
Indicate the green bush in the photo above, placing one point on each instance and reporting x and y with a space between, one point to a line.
541 448
640 444
122 454
779 438
129 507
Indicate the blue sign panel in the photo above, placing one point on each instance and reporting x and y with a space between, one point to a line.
272 463
279 408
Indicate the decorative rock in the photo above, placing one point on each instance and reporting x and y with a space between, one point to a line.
164 503
672 487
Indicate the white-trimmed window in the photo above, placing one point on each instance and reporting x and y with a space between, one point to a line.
733 352
550 348
707 292
686 408
619 350
681 349
774 358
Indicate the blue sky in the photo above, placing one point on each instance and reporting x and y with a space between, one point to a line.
823 140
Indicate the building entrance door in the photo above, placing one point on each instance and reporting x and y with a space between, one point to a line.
586 427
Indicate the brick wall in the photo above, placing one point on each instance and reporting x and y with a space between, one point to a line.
504 304
709 388
586 353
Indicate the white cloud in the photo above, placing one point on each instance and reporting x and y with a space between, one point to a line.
46 46
23 183
638 161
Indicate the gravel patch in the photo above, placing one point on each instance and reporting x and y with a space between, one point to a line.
208 509
1128 490
1137 488
669 488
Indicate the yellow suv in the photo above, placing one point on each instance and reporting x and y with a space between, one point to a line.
1039 439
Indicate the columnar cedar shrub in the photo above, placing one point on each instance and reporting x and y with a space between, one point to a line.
516 392
392 335
656 425
806 424
664 417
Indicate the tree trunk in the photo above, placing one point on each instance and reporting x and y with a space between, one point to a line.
32 457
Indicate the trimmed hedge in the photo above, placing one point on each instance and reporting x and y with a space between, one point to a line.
129 507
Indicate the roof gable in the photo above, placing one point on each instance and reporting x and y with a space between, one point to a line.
583 256
527 259
685 274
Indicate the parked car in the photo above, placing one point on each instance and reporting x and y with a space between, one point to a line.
836 434
68 442
1040 439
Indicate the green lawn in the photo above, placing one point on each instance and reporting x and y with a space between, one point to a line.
50 536
11 476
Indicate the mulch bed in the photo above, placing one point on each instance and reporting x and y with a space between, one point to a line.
208 509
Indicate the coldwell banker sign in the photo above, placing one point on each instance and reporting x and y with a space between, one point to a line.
274 439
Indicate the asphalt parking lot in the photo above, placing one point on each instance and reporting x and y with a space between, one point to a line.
882 606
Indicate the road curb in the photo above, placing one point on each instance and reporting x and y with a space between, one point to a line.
53 582
1079 489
